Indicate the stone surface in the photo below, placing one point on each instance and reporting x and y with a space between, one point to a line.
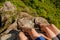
5 37
13 35
8 15
25 15
8 6
24 22
41 21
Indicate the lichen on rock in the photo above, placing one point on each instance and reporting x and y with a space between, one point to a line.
8 15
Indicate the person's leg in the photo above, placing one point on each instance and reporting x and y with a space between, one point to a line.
48 32
53 28
42 23
22 36
35 35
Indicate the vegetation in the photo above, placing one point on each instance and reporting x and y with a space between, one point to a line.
49 9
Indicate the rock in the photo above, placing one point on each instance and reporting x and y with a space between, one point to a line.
25 23
41 20
8 37
24 14
8 15
8 6
5 37
13 35
11 27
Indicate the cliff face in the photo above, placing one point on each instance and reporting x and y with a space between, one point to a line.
49 9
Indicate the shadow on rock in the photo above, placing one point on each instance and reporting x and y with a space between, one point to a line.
14 35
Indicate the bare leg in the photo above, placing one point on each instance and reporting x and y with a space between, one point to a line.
34 34
22 36
49 33
53 28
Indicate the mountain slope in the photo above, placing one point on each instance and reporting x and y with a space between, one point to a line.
49 9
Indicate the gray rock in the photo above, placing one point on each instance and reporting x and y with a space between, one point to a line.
24 22
5 37
13 35
41 20
25 15
8 6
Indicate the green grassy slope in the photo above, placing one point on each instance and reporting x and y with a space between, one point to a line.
49 9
